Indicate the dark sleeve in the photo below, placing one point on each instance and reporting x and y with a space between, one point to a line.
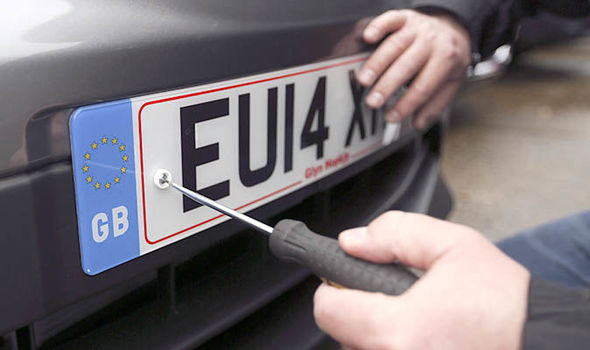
558 317
492 23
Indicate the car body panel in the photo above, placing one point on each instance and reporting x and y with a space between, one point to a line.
73 53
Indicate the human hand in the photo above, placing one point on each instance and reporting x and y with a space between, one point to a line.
436 50
472 296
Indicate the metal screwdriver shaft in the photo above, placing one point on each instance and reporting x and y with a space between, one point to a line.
293 241
163 179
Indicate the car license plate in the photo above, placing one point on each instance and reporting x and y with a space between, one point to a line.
243 142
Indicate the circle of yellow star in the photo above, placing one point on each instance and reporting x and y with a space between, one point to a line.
94 181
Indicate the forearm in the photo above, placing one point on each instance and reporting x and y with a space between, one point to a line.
558 317
492 23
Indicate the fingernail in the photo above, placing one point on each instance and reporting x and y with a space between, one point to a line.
366 76
419 124
393 116
353 237
375 99
371 33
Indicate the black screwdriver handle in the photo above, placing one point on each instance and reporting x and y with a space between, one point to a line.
292 241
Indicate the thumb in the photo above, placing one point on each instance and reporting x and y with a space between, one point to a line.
415 240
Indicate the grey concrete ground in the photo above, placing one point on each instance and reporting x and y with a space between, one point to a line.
518 151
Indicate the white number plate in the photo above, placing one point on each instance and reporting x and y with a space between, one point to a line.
244 142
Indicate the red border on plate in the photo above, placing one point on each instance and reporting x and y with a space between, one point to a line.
355 60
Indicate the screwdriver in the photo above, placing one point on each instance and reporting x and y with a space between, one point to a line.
293 241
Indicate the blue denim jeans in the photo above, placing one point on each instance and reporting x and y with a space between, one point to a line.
558 251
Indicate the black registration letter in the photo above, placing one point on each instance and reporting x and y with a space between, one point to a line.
357 116
193 156
316 108
253 177
289 108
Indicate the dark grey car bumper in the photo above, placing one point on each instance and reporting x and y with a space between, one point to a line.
221 287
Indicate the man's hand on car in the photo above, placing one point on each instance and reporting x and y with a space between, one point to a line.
434 51
471 296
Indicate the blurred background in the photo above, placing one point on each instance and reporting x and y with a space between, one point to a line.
518 150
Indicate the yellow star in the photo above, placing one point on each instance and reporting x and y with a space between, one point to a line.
97 185
85 168
114 141
123 170
117 180
122 148
89 179
87 156
94 145
125 158
104 140
107 185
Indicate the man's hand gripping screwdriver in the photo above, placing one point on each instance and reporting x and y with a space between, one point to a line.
292 241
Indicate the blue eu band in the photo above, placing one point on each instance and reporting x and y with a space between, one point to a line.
104 177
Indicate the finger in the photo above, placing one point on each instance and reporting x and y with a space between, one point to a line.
346 347
435 73
384 24
389 50
437 105
404 68
357 325
413 239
